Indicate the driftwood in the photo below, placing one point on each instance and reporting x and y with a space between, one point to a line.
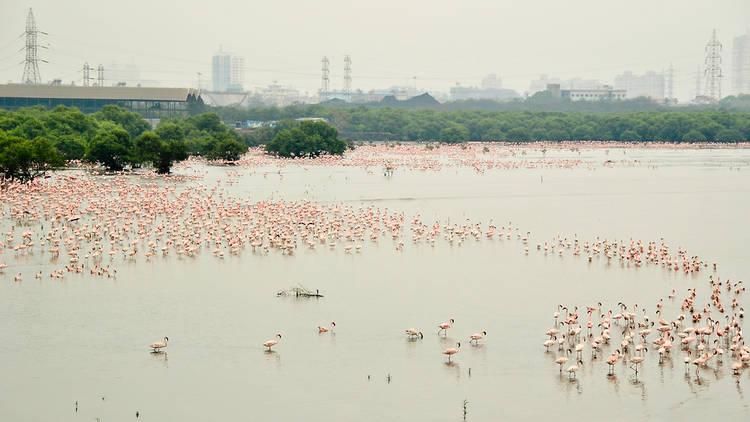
299 291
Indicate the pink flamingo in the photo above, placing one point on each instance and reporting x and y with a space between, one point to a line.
411 332
322 329
159 345
445 326
271 343
452 351
477 336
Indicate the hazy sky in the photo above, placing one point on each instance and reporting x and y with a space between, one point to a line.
440 42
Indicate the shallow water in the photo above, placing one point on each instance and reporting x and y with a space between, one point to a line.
84 338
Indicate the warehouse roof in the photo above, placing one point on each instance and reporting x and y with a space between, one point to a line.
96 92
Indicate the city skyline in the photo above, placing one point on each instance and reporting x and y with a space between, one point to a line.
517 43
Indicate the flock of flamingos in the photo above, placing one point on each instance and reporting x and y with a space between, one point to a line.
76 222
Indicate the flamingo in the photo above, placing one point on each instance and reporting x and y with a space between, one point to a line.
477 336
322 329
411 332
562 360
571 370
636 360
445 326
159 345
452 351
612 360
271 343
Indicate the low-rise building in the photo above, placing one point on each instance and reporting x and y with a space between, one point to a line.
605 92
151 103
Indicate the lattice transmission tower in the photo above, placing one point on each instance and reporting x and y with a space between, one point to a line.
325 87
100 75
86 74
31 63
712 71
347 78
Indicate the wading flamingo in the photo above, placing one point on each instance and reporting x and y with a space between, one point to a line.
452 351
411 332
445 326
271 343
159 345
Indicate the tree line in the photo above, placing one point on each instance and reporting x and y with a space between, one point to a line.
364 123
34 140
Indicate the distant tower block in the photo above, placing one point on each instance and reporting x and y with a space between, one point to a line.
348 78
325 86
31 63
670 83
698 83
712 70
100 75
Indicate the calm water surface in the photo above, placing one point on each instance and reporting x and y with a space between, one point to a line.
84 338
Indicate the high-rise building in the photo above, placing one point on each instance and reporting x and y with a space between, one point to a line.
227 72
650 84
741 64
491 81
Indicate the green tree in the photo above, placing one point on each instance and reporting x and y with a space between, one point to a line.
25 159
308 139
518 134
132 122
729 135
170 131
71 147
161 154
454 134
228 149
694 136
494 134
630 136
110 148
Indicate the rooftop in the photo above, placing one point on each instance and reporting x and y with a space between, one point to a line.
96 92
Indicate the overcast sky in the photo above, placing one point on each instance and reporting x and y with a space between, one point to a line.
440 42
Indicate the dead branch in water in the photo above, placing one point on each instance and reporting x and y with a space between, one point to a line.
299 291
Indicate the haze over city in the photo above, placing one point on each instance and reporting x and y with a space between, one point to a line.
422 210
430 44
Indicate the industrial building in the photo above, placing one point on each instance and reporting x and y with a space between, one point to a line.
605 92
741 64
151 103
